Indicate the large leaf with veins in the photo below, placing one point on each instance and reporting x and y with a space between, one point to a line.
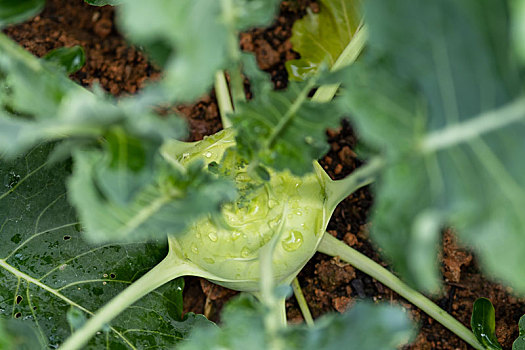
46 268
439 92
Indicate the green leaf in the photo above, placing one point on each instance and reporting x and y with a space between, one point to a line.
46 266
321 38
483 323
58 107
104 2
191 39
438 93
71 59
365 326
284 129
519 343
173 200
19 335
14 11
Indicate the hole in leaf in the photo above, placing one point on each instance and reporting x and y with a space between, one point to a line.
19 299
18 315
67 237
112 275
34 308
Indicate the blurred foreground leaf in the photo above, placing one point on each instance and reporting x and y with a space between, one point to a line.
439 94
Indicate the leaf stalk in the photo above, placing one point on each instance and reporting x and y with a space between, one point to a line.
168 269
332 246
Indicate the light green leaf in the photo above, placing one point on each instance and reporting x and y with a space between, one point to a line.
173 200
321 37
191 39
519 343
71 59
365 326
483 323
46 266
284 129
14 11
453 132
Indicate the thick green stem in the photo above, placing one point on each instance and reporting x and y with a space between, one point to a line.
326 92
337 191
303 305
334 247
223 99
167 270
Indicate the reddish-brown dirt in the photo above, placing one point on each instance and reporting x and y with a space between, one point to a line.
328 283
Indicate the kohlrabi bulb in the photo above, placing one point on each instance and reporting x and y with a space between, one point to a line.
228 246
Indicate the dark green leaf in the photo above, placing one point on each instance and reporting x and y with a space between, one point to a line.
71 59
321 37
46 266
104 2
483 323
519 343
365 326
284 129
14 11
438 93
19 335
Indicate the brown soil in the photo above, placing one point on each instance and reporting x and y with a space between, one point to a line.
328 283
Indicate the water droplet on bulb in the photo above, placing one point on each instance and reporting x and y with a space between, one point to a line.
293 242
194 248
245 252
274 222
209 260
213 236
235 235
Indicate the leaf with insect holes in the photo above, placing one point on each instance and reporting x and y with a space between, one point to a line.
365 326
483 324
47 267
191 38
438 93
14 11
284 129
321 37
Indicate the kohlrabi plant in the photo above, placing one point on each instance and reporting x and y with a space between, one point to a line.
95 186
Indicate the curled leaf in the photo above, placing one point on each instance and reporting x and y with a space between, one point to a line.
321 37
483 323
